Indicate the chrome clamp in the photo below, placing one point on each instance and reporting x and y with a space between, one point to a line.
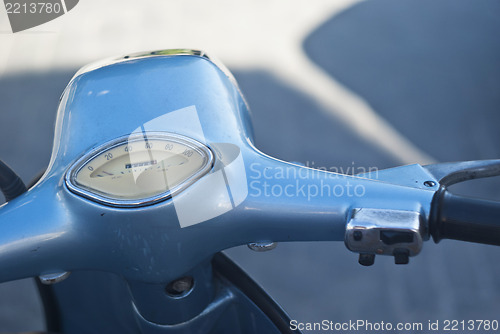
384 232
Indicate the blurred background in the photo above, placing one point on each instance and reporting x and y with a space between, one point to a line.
351 84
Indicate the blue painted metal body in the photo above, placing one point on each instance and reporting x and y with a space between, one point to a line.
50 229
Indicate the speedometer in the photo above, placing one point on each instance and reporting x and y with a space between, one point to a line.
140 169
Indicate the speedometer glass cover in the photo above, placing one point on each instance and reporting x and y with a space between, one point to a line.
140 169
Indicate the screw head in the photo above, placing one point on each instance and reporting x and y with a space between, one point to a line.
53 278
262 246
429 184
357 235
180 287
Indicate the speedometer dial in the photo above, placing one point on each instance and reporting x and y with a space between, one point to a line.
139 170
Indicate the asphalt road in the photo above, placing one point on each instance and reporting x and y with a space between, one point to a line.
432 70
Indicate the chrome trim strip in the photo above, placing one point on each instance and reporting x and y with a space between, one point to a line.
73 186
138 55
158 53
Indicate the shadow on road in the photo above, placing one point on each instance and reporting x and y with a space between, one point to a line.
431 68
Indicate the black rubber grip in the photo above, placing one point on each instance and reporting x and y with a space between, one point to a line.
11 184
462 218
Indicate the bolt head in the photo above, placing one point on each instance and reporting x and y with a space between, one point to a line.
180 286
429 184
357 235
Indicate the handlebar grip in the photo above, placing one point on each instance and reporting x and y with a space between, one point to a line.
467 219
11 184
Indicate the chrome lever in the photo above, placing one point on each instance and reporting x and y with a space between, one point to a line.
450 173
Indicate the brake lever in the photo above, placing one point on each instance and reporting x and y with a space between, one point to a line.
450 173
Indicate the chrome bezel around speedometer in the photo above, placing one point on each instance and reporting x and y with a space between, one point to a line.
95 195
